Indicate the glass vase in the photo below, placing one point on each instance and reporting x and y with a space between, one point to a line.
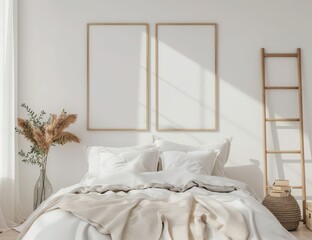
43 188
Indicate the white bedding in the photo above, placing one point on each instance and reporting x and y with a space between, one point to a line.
59 224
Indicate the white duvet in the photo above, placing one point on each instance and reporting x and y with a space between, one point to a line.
58 224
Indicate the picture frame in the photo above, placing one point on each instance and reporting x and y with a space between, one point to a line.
125 45
186 54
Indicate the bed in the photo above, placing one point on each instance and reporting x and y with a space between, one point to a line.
123 196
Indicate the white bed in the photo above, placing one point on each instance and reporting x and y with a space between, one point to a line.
228 209
58 224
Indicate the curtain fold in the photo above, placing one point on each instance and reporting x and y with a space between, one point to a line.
9 191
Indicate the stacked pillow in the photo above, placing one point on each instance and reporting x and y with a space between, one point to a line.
104 161
222 148
208 159
197 162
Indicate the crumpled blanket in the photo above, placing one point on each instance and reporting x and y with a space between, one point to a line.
180 216
170 187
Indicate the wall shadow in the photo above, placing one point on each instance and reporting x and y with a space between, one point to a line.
246 173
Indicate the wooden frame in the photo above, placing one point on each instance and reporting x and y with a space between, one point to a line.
91 126
216 110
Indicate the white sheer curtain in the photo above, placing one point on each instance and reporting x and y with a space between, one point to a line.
9 192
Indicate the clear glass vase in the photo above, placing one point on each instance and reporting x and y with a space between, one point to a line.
43 188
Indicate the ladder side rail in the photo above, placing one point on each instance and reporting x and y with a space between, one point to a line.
303 180
265 170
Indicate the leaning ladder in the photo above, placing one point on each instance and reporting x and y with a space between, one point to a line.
298 88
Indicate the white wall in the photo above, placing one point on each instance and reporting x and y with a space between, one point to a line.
52 74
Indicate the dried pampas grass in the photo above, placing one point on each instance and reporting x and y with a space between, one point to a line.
59 123
53 133
26 129
65 137
41 141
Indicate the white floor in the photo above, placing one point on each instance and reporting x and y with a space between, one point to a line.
302 233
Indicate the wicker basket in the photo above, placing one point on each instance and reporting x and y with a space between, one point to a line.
285 209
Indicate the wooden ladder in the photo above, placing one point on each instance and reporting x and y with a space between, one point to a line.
298 88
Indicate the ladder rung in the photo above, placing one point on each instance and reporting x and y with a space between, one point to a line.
281 55
281 87
283 151
282 119
293 187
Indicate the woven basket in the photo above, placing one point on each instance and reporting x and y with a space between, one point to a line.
285 209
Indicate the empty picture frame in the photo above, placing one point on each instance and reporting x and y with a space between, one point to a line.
118 76
186 77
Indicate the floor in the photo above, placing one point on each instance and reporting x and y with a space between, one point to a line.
302 233
10 235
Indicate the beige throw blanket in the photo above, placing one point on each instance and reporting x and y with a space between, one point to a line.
135 216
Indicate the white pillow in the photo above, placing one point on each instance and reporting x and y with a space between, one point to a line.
197 162
91 151
135 158
135 161
223 147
